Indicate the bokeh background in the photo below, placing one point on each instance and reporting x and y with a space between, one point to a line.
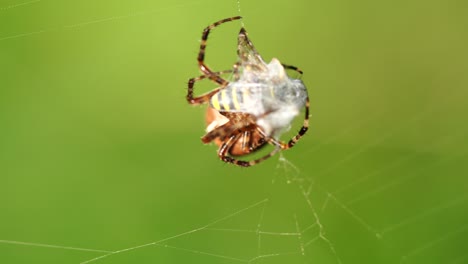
100 151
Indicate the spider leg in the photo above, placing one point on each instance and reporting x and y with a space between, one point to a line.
227 145
294 68
205 97
293 140
246 141
224 149
302 131
227 129
305 124
201 54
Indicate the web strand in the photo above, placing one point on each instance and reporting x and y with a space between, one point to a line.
333 197
175 236
18 5
22 243
91 22
240 13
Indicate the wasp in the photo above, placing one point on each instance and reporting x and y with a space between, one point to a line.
254 108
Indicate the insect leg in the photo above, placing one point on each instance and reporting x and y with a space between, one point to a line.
205 97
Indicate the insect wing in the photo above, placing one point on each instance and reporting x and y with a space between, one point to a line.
249 58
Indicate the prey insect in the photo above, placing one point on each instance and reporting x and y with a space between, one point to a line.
254 108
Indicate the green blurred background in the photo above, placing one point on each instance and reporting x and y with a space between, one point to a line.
100 151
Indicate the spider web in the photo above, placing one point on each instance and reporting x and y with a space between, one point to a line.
339 209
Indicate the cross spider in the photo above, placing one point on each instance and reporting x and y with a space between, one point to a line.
254 108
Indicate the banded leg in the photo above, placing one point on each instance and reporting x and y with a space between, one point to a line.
246 141
305 125
302 131
226 130
293 140
201 54
294 68
224 149
250 141
205 97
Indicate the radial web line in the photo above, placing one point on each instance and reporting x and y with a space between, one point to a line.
355 216
254 231
321 228
459 260
96 21
272 255
397 182
425 214
308 228
397 162
18 5
310 242
375 142
432 243
258 230
178 235
203 253
51 246
240 13
299 237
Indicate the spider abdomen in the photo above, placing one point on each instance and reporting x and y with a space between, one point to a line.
247 140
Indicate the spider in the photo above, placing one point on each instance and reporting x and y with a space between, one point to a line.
254 108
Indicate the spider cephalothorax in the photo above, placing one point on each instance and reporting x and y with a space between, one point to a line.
252 109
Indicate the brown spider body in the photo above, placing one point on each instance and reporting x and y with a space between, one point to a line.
247 141
254 108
